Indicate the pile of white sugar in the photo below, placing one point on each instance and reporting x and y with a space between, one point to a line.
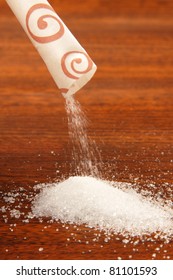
99 204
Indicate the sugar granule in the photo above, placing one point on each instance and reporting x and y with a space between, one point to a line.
99 204
40 249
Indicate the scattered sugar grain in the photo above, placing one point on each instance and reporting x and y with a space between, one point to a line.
125 241
40 249
15 213
157 249
3 209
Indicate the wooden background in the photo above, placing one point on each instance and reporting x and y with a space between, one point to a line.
129 103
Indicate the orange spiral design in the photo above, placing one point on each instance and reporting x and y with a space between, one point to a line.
42 24
76 58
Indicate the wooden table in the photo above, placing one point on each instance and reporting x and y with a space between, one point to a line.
129 103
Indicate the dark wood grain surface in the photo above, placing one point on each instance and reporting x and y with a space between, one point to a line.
129 103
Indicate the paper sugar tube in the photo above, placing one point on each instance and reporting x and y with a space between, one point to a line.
68 63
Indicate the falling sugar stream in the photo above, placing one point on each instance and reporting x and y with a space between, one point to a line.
85 153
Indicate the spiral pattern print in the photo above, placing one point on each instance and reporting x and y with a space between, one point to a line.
42 24
76 63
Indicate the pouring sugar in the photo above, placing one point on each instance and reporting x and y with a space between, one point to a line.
99 204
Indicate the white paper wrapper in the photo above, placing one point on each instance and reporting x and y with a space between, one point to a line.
66 60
